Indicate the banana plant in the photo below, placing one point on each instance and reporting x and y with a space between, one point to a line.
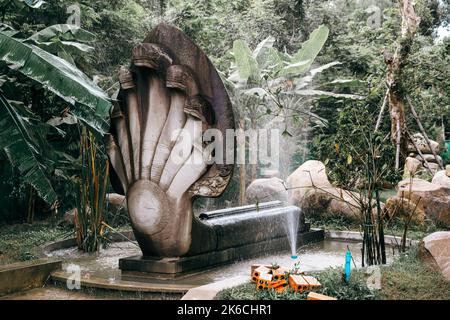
25 148
64 40
89 103
35 4
22 137
269 73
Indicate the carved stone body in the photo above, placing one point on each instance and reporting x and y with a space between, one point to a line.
170 86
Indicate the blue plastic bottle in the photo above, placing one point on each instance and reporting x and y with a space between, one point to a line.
348 259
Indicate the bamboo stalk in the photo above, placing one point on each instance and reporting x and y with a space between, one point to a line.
383 107
380 227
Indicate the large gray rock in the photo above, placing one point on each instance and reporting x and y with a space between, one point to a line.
430 158
117 204
265 190
412 166
432 199
405 209
422 144
310 189
438 245
69 218
441 179
434 167
310 175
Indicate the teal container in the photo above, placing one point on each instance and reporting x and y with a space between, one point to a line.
348 259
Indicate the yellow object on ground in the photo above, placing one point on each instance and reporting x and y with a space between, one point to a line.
318 296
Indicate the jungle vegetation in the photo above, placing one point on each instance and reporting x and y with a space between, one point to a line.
315 69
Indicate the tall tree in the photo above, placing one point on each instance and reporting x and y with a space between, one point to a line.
396 92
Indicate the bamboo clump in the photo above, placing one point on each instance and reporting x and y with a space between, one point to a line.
92 188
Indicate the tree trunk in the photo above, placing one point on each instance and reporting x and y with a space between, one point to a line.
395 64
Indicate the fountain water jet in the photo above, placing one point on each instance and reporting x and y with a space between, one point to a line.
291 224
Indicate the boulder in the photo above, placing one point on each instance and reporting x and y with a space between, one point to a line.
117 204
69 218
433 199
421 188
430 158
441 179
438 245
264 190
447 170
405 209
434 167
422 144
309 175
412 166
267 173
310 189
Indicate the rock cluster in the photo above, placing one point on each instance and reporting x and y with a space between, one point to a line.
421 199
310 189
415 164
117 204
438 245
265 190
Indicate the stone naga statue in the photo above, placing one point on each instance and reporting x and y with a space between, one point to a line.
170 86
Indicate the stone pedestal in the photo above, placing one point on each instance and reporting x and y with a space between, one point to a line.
139 268
225 236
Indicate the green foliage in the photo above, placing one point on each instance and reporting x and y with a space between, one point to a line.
345 139
246 64
24 148
412 278
408 278
359 47
64 40
332 285
90 103
93 186
24 242
304 58
35 4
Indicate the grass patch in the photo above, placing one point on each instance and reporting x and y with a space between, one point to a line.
393 227
407 278
23 242
411 278
332 285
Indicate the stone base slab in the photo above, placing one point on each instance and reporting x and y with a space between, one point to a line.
140 268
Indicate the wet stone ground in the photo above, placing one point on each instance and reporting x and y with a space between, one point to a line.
105 265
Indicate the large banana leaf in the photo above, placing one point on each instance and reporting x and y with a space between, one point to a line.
246 65
19 141
63 32
35 4
320 93
63 40
262 47
90 103
307 80
302 61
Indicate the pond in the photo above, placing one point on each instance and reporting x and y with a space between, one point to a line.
312 257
